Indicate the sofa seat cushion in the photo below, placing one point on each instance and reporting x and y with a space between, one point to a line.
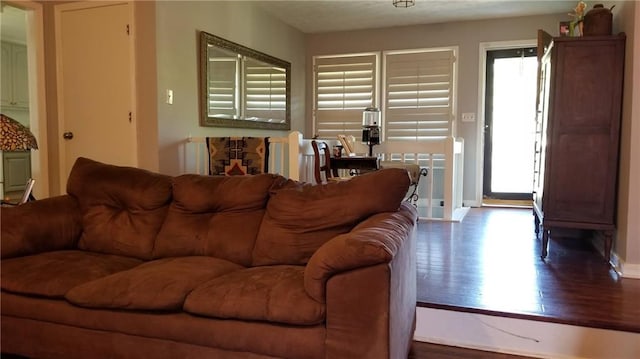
111 332
215 216
53 274
122 208
274 293
157 285
301 218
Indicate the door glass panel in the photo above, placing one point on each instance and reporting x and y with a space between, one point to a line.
513 124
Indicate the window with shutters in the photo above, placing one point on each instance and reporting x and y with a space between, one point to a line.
264 90
262 86
224 72
343 87
418 90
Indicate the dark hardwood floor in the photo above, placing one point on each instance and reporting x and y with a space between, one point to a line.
490 263
434 351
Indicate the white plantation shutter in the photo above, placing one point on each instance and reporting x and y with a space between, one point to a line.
344 86
264 91
419 95
223 77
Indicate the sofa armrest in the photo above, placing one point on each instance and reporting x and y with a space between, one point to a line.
374 241
39 226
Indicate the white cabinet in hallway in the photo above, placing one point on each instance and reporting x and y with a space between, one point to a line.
15 84
17 170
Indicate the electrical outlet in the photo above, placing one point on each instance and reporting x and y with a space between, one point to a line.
468 117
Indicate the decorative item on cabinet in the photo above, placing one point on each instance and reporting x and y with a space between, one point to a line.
563 28
576 25
598 21
577 135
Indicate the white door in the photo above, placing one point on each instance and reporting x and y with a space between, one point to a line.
95 84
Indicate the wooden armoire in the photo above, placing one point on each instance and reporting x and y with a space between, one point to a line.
577 134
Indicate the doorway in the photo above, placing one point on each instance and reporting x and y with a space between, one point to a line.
15 166
509 124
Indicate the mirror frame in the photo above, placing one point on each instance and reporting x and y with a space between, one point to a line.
212 121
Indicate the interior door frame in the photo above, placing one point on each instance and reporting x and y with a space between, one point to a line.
488 125
485 47
37 93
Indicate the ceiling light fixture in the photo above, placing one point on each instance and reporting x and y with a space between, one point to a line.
404 3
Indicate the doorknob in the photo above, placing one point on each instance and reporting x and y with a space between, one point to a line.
67 135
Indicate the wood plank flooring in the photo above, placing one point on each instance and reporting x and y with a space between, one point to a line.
434 351
490 263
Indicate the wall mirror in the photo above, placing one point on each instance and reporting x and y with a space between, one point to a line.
242 87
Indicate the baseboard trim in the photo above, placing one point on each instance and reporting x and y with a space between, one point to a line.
523 337
625 270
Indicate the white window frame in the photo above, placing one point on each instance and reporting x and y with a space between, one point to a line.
375 86
453 91
263 92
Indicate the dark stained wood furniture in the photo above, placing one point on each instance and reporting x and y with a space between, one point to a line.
577 140
329 165
365 163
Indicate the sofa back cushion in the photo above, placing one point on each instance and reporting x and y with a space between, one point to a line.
215 216
122 207
302 217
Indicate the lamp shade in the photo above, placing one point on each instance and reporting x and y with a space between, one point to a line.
14 136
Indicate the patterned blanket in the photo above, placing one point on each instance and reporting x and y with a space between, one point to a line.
233 156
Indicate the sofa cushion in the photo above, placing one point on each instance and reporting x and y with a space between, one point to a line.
274 293
215 216
122 207
300 219
158 285
52 274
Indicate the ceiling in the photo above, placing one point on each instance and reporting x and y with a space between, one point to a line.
317 16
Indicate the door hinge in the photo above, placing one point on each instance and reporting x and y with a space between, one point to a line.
129 116
128 30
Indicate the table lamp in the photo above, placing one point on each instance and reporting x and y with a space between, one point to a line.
15 136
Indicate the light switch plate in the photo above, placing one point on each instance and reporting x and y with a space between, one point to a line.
170 97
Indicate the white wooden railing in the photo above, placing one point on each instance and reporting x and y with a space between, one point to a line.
444 160
292 157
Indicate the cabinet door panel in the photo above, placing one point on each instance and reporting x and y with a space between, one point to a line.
5 75
15 83
17 170
20 77
577 191
585 86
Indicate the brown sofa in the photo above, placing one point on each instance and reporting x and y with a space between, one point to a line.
134 264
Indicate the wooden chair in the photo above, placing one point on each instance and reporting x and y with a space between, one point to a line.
322 163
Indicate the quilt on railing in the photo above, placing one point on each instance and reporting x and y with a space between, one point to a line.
233 156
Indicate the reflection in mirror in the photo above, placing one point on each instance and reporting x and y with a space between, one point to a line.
241 87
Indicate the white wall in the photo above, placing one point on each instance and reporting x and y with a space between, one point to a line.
627 246
178 25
